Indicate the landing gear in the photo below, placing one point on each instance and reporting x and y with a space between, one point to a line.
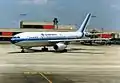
44 49
22 51
26 50
65 50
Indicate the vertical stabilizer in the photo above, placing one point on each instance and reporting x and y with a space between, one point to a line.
85 23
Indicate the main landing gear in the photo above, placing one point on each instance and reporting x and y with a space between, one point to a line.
25 50
22 51
44 49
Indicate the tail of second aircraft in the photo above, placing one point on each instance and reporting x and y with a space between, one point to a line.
85 23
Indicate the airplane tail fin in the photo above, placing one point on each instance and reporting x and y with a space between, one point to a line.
85 23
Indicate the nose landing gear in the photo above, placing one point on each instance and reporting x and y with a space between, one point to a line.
25 50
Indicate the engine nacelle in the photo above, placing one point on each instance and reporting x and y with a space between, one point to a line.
60 47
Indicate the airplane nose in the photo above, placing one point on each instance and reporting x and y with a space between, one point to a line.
13 41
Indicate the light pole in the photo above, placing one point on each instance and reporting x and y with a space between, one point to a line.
55 23
21 20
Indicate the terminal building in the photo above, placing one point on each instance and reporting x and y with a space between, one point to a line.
37 25
45 25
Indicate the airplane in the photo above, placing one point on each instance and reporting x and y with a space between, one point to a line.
58 40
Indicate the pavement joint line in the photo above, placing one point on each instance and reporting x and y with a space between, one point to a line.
42 74
45 77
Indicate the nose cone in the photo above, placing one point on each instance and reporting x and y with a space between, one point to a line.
13 41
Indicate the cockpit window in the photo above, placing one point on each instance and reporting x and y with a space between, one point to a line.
16 37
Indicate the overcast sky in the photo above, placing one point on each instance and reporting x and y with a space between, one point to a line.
107 12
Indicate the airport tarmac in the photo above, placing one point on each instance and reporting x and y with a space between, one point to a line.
81 64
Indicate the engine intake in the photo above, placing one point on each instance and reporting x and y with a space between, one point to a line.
60 46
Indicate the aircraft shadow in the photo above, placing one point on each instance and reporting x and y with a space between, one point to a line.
85 52
71 50
74 50
33 51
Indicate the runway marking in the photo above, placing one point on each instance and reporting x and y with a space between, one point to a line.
42 74
45 77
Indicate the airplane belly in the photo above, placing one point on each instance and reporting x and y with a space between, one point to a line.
32 44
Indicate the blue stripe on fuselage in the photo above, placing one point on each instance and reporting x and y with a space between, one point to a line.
16 40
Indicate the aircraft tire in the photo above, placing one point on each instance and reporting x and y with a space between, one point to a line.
22 51
44 49
65 50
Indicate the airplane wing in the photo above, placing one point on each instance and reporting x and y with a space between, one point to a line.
71 40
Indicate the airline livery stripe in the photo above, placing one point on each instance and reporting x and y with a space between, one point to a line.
86 23
39 39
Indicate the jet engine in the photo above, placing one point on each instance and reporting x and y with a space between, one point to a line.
60 46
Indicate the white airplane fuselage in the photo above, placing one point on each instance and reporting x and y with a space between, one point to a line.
34 39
